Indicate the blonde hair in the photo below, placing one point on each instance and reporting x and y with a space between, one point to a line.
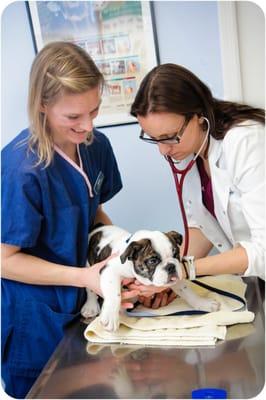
59 68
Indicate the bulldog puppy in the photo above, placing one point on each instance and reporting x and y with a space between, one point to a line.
152 257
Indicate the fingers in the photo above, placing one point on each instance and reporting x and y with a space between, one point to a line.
146 301
158 300
137 282
133 286
164 300
148 291
171 297
127 305
129 294
145 290
153 301
127 281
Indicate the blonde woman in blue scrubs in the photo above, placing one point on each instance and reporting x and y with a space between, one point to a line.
55 177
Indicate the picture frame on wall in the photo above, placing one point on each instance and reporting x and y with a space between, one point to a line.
120 37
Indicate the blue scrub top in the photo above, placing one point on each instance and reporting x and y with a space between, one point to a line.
48 212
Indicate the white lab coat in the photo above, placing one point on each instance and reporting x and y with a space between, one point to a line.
237 170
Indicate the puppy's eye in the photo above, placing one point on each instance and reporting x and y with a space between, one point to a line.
152 261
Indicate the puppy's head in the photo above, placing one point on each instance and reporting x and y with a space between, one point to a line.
155 257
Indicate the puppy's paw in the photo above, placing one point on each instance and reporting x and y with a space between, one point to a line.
109 319
91 308
209 305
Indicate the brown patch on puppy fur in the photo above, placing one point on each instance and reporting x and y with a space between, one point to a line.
144 257
94 255
176 239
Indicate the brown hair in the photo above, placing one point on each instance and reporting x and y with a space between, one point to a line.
59 68
173 88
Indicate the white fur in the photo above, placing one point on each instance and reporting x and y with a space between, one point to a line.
112 275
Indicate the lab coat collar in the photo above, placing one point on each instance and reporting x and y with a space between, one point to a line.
215 150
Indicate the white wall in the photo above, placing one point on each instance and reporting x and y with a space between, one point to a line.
187 34
251 34
17 54
242 34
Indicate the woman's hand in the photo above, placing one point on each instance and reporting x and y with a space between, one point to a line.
144 290
93 277
151 296
159 299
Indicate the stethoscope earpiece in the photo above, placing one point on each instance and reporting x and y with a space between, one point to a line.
201 120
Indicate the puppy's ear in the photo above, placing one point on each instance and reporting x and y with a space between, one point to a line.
175 237
131 252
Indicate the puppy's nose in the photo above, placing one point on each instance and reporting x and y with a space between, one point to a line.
170 268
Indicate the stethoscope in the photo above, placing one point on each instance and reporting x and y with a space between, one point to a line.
179 183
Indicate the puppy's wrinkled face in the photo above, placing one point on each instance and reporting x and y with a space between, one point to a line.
156 258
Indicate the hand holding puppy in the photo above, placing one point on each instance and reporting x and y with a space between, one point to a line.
151 296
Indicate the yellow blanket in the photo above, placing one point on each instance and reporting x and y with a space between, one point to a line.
185 330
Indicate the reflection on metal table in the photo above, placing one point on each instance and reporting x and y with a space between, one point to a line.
79 369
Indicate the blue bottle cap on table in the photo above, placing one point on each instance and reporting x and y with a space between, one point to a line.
209 393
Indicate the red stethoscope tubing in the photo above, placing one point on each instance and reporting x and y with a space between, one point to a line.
179 189
179 184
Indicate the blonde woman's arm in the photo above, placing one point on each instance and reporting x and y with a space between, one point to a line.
102 217
26 268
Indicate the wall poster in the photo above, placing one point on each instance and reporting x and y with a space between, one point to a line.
119 36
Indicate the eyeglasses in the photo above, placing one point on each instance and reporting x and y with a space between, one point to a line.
175 139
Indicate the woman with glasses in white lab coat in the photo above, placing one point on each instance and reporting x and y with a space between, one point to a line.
224 192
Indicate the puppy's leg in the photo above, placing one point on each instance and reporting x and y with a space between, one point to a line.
111 289
194 300
91 307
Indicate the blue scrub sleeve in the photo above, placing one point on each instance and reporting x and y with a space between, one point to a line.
21 209
112 182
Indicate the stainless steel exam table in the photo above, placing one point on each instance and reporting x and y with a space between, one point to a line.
79 370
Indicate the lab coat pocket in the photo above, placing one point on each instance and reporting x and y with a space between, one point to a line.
39 331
